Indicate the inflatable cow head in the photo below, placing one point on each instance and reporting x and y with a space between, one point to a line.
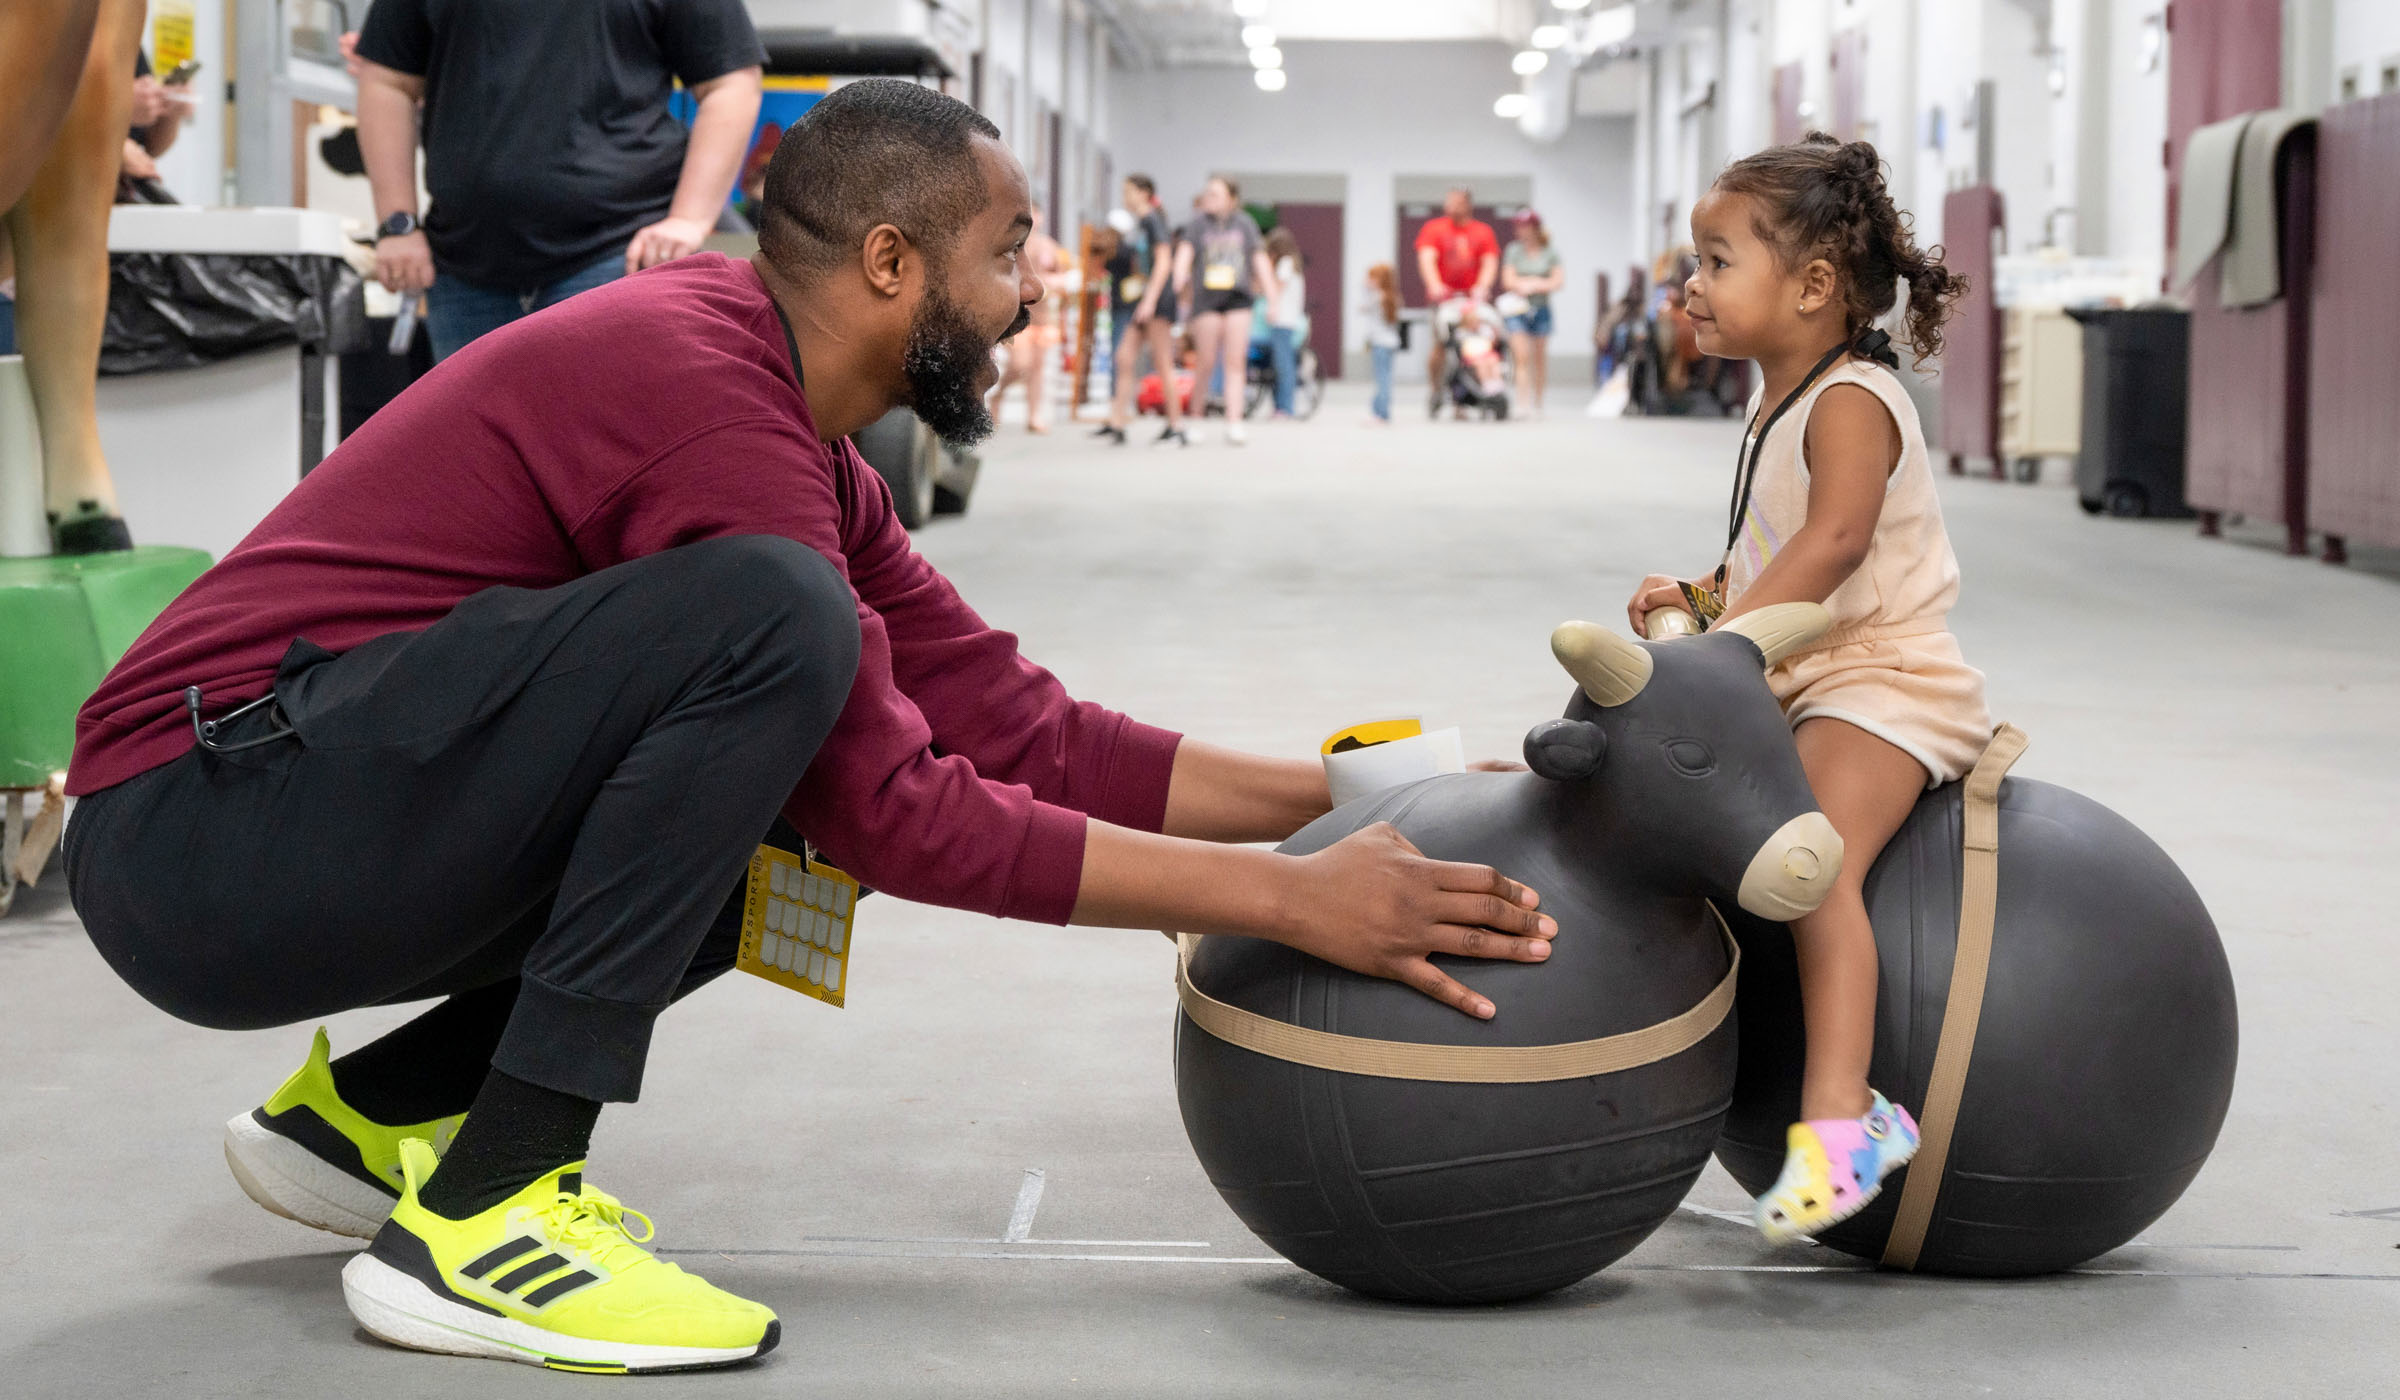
1677 754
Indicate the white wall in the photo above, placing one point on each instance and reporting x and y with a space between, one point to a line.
2137 120
2366 36
1373 111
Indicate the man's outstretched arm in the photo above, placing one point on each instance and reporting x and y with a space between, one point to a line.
1220 794
1370 903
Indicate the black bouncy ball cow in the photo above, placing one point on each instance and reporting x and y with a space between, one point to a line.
1670 782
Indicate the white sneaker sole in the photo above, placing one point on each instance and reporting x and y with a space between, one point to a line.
403 1311
296 1184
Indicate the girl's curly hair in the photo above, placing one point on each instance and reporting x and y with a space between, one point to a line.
1821 198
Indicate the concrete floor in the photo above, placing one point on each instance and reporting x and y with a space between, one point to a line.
871 1172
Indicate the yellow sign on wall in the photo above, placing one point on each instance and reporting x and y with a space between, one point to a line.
170 33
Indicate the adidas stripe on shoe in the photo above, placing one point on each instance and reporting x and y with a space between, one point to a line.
549 1277
308 1156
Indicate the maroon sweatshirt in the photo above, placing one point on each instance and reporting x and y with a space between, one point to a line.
651 413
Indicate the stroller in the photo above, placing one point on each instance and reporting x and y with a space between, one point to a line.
1480 375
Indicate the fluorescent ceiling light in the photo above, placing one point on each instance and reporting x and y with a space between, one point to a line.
1511 105
1550 36
1268 79
1249 9
1570 4
1257 36
1530 62
1610 26
1268 56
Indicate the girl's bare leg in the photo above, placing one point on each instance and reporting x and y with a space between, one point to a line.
1037 384
1207 327
1866 788
1127 361
1236 349
1162 359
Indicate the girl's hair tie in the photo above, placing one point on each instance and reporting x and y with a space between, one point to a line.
1876 345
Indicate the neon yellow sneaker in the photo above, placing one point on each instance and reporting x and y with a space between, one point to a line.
307 1156
550 1277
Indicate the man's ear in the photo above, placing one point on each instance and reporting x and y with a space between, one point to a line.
888 259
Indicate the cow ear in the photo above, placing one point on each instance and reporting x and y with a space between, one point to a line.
1565 750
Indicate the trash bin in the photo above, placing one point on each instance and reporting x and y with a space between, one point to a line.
219 386
2136 376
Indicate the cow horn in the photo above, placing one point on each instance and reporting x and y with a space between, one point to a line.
1610 669
1779 629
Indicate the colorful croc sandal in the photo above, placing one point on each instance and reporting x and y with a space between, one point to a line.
1832 1167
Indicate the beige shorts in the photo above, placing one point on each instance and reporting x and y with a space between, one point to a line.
1917 694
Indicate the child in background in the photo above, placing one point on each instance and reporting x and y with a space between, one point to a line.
1382 311
1800 251
1479 347
1287 315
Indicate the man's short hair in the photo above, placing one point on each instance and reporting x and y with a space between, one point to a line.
874 151
1143 183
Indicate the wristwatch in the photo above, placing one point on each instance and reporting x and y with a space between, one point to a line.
398 225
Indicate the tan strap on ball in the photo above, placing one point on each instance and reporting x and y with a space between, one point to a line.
1970 965
1457 1064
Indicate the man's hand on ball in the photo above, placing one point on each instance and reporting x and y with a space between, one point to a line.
1374 904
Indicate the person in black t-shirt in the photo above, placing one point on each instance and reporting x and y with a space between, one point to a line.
552 160
1141 288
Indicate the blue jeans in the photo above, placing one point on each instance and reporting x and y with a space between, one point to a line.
456 312
1282 348
1534 323
1382 407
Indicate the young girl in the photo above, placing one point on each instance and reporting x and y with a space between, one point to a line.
1800 251
1287 315
1382 313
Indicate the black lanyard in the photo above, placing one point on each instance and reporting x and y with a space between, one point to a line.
1747 471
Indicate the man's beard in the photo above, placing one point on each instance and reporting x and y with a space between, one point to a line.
945 358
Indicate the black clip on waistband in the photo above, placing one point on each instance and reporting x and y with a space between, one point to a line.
204 731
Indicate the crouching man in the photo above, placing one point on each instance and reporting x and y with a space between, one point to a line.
494 708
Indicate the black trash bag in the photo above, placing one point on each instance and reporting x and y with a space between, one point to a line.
180 310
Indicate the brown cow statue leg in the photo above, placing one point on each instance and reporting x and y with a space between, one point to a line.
59 230
42 45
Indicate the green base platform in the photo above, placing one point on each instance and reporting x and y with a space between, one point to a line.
64 621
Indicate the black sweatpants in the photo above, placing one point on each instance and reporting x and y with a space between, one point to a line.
559 786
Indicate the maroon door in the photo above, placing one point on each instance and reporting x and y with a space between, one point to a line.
1789 79
1972 218
1849 62
2354 484
1413 218
1318 230
2224 58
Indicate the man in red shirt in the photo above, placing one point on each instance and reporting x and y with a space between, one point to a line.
1457 256
496 705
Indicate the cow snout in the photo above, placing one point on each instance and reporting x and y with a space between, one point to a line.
1794 870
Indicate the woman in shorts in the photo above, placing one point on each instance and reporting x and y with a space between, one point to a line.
1531 269
1223 260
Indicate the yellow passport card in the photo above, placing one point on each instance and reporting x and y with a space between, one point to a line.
796 920
1379 731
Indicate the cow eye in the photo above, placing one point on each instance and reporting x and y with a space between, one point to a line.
1691 758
